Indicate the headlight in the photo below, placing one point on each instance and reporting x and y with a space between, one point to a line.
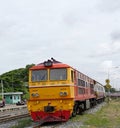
35 95
48 63
63 93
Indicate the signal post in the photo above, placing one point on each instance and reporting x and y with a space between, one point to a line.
108 86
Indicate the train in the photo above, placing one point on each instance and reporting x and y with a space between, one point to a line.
58 92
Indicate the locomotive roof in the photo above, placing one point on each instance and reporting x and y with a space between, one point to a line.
55 64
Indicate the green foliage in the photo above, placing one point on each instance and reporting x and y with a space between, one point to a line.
16 80
0 97
110 89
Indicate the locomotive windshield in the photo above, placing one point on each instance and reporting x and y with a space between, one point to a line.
55 74
39 75
58 74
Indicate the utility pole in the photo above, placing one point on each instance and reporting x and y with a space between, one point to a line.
108 86
2 89
12 83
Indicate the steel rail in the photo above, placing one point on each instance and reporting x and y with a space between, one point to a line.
12 117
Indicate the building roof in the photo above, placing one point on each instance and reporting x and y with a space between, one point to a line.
12 93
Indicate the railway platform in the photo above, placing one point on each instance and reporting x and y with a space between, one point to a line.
8 107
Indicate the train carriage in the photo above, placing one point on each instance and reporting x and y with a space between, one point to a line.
58 91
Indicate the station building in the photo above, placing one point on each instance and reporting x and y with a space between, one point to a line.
12 97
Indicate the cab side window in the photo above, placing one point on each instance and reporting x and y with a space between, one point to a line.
72 76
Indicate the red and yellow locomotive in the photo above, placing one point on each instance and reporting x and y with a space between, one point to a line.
58 91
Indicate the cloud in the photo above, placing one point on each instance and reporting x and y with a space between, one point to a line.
109 5
107 49
115 35
105 65
67 30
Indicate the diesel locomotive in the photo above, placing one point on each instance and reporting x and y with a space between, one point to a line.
59 91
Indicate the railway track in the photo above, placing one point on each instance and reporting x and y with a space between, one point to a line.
12 112
10 117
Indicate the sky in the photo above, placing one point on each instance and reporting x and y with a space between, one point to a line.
84 34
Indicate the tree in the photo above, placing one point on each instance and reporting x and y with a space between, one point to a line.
112 90
15 80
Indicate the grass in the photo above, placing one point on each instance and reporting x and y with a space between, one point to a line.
23 123
107 117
